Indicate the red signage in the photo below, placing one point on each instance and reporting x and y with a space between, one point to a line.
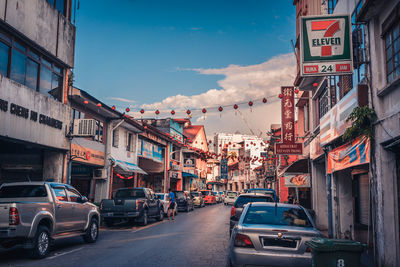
288 145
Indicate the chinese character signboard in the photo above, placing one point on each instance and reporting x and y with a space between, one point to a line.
325 45
288 145
224 169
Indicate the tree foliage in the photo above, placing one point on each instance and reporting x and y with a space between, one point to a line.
362 119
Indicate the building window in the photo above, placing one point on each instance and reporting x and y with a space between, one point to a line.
58 4
29 68
331 5
115 138
306 117
129 142
99 131
76 114
392 49
323 102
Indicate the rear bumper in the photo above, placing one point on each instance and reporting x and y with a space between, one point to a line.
245 256
109 215
182 206
7 234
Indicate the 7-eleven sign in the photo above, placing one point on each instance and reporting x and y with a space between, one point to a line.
325 45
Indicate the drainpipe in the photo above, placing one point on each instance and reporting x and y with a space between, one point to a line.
328 192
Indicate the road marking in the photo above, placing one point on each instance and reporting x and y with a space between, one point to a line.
63 253
148 226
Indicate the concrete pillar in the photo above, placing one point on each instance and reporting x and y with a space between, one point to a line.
53 166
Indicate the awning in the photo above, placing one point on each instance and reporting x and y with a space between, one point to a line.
299 166
128 167
187 174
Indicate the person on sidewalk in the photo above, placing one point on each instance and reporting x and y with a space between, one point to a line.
171 207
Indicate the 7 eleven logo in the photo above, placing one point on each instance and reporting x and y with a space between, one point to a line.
326 37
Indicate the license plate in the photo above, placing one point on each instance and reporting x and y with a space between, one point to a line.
279 242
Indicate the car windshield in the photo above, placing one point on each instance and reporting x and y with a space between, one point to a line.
231 194
130 193
196 194
242 200
160 196
17 191
272 215
221 193
205 193
179 194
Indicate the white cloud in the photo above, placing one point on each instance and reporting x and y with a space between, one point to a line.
241 84
120 99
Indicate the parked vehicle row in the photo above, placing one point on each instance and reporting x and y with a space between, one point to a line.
35 214
265 232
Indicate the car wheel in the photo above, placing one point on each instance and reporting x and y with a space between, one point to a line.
92 232
160 215
144 218
41 243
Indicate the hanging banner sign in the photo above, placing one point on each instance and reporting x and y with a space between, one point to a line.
297 180
348 155
288 145
325 45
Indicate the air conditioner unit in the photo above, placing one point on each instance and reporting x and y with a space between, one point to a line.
84 127
99 174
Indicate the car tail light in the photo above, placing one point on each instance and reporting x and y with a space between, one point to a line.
13 218
137 204
101 205
233 211
308 249
243 241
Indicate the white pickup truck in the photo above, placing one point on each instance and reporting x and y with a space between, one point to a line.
34 214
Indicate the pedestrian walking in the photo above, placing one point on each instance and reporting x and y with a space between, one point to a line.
171 206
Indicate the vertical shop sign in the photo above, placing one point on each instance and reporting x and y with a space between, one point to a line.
288 145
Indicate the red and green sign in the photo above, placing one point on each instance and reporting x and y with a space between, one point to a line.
325 45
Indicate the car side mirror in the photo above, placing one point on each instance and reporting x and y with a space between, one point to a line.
82 199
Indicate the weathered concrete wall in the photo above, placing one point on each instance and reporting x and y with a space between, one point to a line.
53 165
319 197
17 119
43 24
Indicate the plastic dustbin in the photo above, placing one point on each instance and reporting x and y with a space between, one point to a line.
335 252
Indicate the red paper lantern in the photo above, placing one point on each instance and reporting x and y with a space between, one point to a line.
172 112
315 84
188 111
113 107
204 110
142 111
296 91
220 109
280 95
99 104
127 109
157 112
145 127
235 106
85 102
250 103
264 100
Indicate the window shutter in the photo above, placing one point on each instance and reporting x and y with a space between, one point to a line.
127 140
116 137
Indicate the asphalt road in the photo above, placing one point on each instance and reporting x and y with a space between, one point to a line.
197 238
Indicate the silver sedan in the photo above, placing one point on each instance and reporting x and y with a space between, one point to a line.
272 234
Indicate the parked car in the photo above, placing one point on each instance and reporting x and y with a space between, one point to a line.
208 196
163 197
217 197
266 191
131 204
230 197
36 213
198 199
272 234
242 200
184 201
222 195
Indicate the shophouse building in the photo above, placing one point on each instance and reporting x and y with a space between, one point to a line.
37 45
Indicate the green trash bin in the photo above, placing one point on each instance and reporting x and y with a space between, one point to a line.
335 252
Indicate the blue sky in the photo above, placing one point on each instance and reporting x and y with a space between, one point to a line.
146 51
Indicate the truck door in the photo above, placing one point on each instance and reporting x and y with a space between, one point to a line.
63 211
79 211
152 202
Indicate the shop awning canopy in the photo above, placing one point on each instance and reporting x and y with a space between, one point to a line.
299 166
128 167
187 174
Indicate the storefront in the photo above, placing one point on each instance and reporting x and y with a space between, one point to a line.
87 166
125 174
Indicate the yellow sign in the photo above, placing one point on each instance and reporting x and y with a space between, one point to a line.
87 155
